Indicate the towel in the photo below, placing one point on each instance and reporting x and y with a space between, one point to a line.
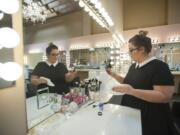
49 83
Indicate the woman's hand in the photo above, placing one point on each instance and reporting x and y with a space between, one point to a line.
70 76
123 88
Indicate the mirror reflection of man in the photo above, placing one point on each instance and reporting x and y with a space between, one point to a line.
52 73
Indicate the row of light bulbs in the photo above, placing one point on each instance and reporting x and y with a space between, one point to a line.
97 12
104 44
174 39
9 71
76 47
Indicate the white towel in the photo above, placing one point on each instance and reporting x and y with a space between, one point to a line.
49 83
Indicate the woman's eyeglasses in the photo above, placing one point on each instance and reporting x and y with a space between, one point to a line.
133 49
54 54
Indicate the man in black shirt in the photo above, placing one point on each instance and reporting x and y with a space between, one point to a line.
53 71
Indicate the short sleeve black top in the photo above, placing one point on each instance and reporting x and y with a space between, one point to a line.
155 116
55 73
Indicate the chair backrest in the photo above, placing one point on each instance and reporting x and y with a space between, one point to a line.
176 109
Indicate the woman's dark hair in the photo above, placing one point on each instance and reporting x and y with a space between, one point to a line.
141 40
50 48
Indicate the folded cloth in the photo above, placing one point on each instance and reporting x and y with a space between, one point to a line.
106 87
49 83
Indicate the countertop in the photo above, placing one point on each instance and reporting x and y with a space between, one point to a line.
115 120
175 72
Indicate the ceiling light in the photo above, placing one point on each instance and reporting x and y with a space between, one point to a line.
34 12
98 13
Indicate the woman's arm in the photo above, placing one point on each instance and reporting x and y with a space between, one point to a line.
115 76
35 80
159 94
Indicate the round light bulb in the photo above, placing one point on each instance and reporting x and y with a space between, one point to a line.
111 62
86 9
11 71
1 46
98 5
1 16
9 6
9 37
1 65
81 3
94 1
111 57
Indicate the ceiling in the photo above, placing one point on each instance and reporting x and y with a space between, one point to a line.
55 8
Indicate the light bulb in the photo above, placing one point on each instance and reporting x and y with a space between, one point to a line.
81 3
9 37
98 5
11 71
86 9
111 57
9 6
1 46
1 16
1 65
94 1
111 62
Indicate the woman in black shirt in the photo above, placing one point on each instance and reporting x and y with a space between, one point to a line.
148 86
53 70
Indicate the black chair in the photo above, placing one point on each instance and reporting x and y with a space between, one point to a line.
31 90
176 115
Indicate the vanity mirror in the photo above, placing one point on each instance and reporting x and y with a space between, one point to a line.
59 26
170 53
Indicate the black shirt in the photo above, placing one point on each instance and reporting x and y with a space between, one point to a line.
55 74
156 119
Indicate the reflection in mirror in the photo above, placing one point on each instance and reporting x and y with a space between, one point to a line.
42 97
6 55
39 107
59 24
91 58
39 102
170 53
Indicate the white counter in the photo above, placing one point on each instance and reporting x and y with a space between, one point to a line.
175 72
35 115
116 120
